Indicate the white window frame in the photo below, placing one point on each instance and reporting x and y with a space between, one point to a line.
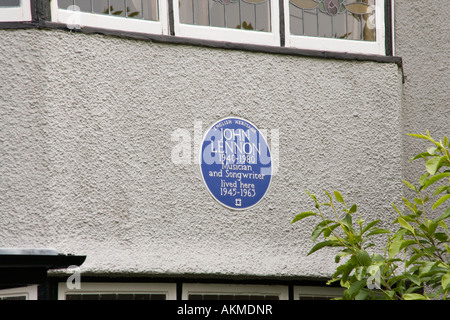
226 289
30 292
271 38
339 45
169 289
316 291
103 21
20 13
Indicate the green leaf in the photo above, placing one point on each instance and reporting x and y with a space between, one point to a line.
435 163
360 272
320 245
440 201
423 178
414 258
321 227
406 243
442 237
409 185
338 197
431 150
389 293
414 279
420 136
355 287
303 215
370 225
363 258
399 234
440 190
341 254
328 231
378 231
432 227
405 224
435 178
423 155
443 225
394 247
429 268
347 221
311 195
353 209
362 295
446 281
398 243
414 296
395 208
408 204
360 221
443 216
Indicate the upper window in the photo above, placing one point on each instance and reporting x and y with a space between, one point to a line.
243 21
15 10
355 26
146 16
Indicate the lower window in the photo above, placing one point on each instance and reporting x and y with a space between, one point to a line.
22 293
317 293
118 291
199 291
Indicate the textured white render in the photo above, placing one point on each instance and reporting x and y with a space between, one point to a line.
85 152
422 40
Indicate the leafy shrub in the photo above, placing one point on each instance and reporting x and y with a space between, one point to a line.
415 261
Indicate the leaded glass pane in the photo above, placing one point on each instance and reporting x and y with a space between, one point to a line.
340 19
65 4
136 9
235 14
115 296
231 296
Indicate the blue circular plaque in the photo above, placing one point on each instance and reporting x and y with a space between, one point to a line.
235 163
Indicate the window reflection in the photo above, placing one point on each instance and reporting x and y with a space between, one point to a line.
341 19
236 14
136 9
9 3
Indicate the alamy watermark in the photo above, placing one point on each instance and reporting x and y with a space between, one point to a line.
187 145
74 20
374 280
74 281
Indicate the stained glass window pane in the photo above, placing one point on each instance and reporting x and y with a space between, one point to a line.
230 296
235 14
136 9
64 4
115 296
340 19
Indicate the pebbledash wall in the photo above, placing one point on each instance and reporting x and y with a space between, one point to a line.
88 132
